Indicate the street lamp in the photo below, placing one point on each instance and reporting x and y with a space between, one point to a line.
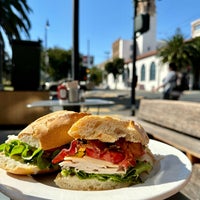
75 50
46 52
141 25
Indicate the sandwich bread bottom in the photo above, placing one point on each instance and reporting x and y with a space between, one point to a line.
74 183
16 167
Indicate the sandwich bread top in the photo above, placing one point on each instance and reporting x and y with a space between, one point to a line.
108 129
51 130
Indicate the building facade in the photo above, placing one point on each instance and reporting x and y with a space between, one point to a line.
150 70
195 28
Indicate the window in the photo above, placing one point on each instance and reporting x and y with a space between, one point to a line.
152 71
197 27
126 74
143 73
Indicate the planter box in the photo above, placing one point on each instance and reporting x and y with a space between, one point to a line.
13 110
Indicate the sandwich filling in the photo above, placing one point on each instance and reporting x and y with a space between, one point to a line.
24 153
122 161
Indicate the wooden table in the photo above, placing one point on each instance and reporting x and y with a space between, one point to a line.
65 103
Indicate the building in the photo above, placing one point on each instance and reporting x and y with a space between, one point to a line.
150 70
122 49
195 26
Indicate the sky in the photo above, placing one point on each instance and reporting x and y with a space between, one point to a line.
101 22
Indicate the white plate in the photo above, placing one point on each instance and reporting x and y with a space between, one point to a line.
173 173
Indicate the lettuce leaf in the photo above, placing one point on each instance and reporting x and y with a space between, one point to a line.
132 175
23 152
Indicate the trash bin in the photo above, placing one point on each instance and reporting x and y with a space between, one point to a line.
26 65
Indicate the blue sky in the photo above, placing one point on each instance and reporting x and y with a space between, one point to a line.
101 22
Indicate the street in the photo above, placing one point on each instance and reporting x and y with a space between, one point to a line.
122 99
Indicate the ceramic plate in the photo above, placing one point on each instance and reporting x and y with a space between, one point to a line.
172 173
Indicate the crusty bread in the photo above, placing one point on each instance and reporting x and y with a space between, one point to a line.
74 183
16 167
108 129
47 132
50 131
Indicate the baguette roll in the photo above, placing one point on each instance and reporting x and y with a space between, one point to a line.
43 135
108 129
51 130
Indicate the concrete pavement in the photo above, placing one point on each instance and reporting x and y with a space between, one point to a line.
122 99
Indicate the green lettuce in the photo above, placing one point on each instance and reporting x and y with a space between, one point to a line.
24 153
132 175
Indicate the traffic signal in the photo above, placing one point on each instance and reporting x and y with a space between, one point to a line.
142 22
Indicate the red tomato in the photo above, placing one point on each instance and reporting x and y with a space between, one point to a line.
94 153
60 157
114 157
66 152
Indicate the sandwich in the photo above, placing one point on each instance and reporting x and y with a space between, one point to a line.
31 151
106 153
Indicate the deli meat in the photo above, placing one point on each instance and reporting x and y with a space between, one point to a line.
92 165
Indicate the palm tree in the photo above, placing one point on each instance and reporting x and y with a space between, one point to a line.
13 21
185 54
176 50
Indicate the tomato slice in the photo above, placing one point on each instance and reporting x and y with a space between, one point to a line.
114 157
66 152
93 152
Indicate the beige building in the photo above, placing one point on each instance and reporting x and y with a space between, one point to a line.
122 49
149 68
195 28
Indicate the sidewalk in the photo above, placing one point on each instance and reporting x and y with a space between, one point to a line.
122 99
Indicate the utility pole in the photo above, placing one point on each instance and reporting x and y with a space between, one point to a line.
88 53
134 77
75 50
141 25
46 46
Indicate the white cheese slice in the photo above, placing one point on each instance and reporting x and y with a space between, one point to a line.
92 165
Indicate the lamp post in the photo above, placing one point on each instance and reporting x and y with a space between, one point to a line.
134 77
141 25
46 52
75 50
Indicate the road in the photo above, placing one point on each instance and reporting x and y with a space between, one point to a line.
122 99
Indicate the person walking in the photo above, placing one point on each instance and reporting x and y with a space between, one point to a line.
169 84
